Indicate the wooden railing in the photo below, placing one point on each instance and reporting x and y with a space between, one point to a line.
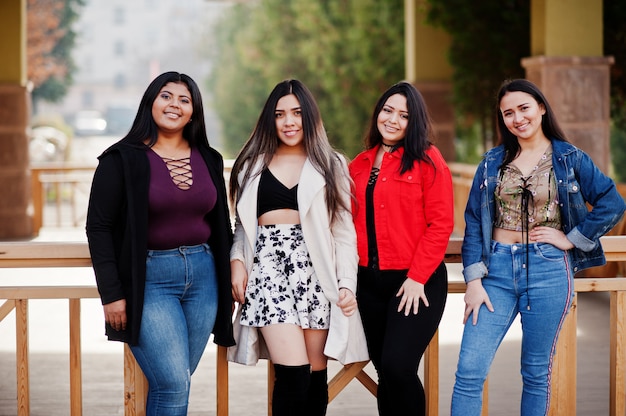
58 177
71 176
462 177
44 255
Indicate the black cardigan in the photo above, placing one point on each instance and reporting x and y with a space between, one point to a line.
117 229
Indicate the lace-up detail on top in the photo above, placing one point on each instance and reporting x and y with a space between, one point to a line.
180 171
524 202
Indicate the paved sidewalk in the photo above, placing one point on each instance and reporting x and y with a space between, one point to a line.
103 361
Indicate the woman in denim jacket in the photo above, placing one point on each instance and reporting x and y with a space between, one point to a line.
528 230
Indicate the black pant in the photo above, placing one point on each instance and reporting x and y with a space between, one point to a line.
396 342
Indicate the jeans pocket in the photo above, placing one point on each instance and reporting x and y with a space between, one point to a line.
549 252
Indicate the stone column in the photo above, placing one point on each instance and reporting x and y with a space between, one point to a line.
15 218
438 99
578 90
427 67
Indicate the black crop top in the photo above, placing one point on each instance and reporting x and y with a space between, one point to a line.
274 195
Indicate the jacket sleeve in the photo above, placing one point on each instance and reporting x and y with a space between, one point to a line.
472 248
103 218
600 192
344 234
239 237
439 216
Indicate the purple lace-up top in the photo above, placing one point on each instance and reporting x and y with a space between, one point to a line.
177 212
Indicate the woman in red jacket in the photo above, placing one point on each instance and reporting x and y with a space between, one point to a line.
403 215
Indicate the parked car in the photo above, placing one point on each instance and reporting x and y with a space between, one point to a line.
89 123
119 119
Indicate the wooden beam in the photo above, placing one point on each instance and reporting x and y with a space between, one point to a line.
6 308
48 292
343 377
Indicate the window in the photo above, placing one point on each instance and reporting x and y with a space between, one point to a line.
119 16
87 98
119 48
119 81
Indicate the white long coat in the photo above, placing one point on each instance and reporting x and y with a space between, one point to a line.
333 254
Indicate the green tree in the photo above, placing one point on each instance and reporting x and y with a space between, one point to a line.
489 37
347 52
49 46
237 88
615 45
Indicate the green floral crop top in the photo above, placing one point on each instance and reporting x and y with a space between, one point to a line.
523 203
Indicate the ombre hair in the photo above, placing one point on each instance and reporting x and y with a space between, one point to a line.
263 142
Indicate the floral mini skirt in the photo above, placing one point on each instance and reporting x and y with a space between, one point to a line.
282 287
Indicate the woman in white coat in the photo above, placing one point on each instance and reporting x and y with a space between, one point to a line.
294 258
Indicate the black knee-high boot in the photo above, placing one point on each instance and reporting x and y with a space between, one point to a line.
291 386
317 400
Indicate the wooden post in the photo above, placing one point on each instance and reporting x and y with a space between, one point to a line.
270 386
21 357
222 387
76 376
563 382
431 376
485 408
135 386
38 200
618 355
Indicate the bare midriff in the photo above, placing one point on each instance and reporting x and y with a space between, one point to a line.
508 236
280 216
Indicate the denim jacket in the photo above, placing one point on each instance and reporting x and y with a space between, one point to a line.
579 182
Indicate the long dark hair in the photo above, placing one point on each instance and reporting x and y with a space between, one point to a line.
549 125
144 128
264 141
419 129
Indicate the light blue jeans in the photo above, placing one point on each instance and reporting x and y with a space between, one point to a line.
542 298
180 305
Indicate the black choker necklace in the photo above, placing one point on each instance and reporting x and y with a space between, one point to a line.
390 147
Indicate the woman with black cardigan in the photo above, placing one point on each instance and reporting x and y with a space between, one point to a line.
159 236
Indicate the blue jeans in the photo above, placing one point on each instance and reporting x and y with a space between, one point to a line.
180 305
542 298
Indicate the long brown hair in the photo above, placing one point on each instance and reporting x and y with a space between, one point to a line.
264 141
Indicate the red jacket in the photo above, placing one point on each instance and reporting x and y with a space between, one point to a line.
414 215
